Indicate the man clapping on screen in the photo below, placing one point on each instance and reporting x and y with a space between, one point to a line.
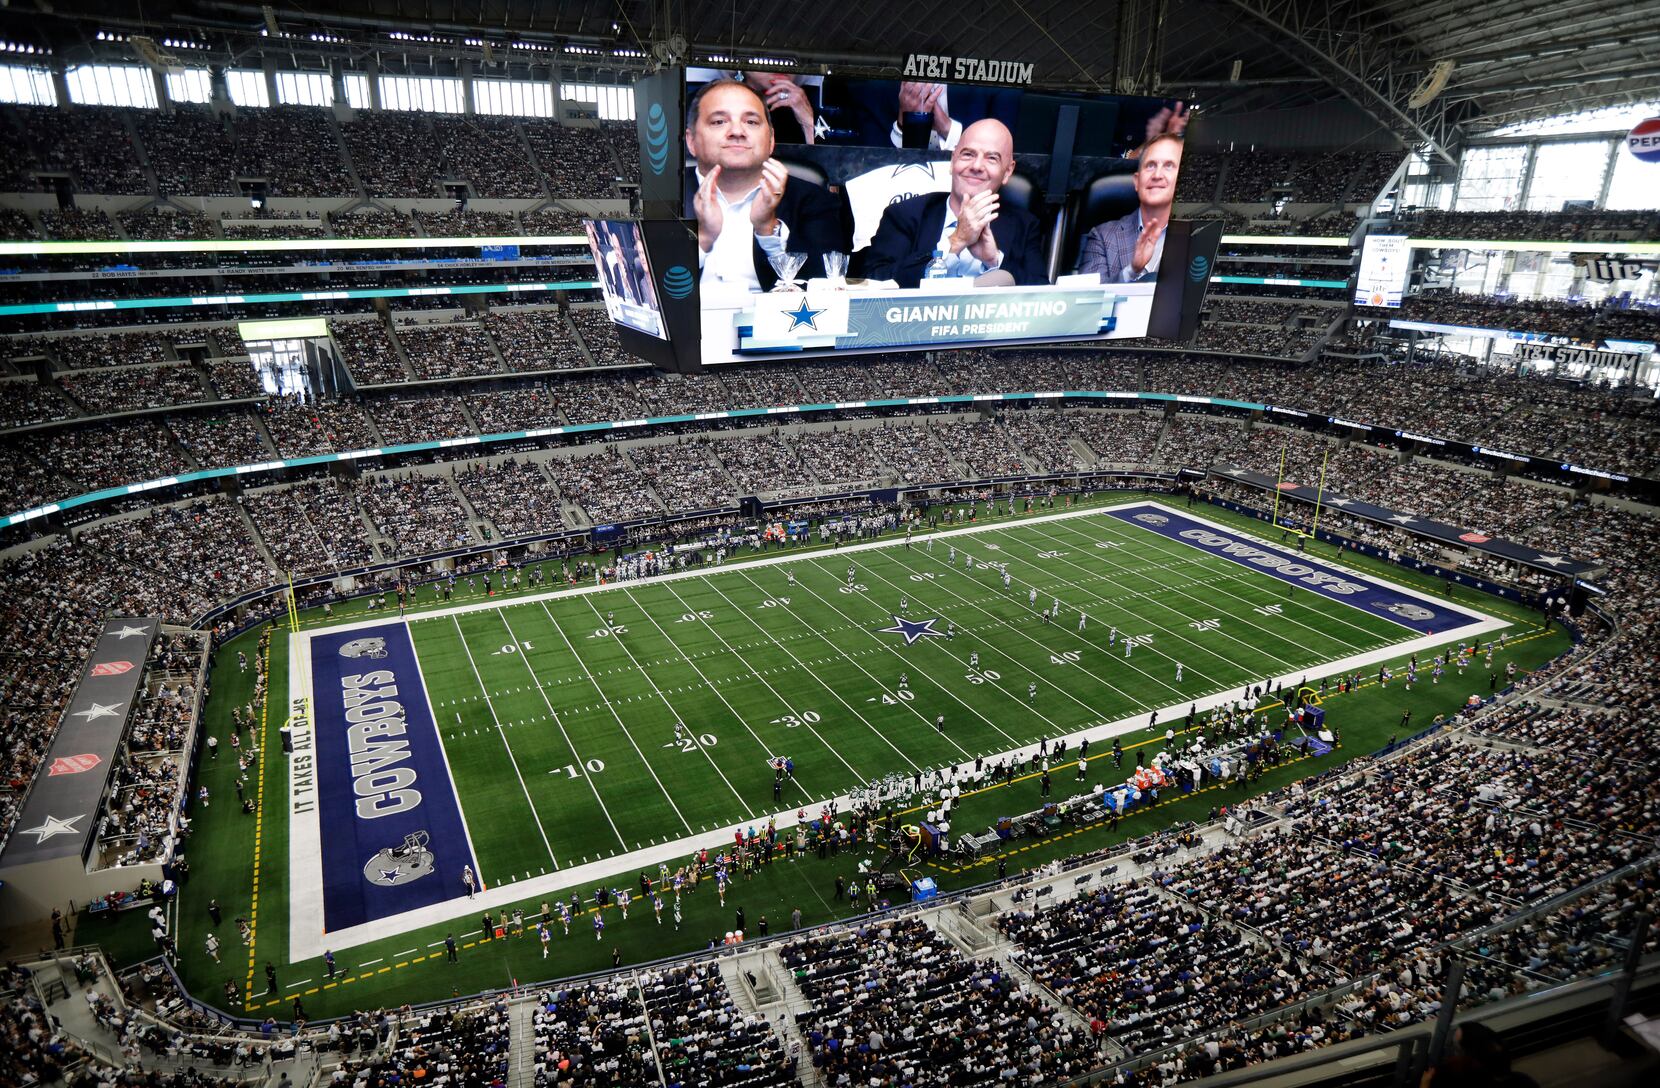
747 206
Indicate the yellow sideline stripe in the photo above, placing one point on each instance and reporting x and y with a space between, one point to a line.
259 821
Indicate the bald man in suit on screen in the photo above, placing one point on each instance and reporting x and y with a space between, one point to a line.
970 226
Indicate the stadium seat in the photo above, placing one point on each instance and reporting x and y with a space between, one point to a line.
1107 197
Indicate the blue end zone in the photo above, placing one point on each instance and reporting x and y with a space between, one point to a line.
391 825
1424 616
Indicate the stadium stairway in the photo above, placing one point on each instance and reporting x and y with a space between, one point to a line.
766 965
260 547
1081 450
521 1045
1008 436
74 1018
978 943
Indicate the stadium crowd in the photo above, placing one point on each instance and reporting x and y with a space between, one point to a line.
892 1003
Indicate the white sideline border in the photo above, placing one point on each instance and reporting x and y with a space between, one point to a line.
307 939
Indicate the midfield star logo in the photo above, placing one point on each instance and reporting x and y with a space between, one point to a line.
913 629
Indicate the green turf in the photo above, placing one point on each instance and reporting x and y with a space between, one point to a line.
533 697
752 674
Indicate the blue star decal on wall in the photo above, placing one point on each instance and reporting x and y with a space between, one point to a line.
803 315
913 629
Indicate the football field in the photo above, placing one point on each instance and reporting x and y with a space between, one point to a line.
569 737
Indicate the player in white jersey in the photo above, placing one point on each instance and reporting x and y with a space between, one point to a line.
1112 638
1082 620
1178 672
1031 597
1129 644
1031 692
974 660
1006 579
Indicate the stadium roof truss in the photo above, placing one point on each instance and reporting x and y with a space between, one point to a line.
1526 59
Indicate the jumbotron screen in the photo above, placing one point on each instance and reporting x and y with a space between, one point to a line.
623 271
845 215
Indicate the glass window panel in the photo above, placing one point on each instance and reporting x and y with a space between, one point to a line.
357 90
1635 185
1564 172
1490 178
27 86
111 85
190 85
247 88
305 89
512 98
1605 119
420 93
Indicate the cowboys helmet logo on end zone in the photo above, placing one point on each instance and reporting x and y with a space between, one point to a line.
1153 519
1408 611
364 647
398 865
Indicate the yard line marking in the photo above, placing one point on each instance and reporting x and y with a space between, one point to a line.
1176 589
943 584
523 656
740 718
1072 634
1176 633
1238 576
789 707
649 768
1187 557
618 640
834 694
534 815
883 645
908 706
